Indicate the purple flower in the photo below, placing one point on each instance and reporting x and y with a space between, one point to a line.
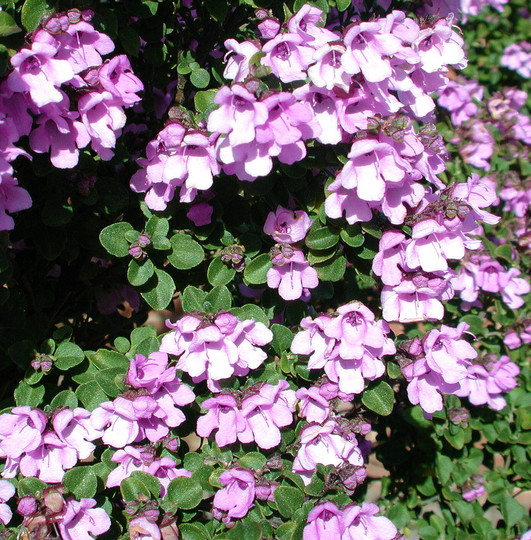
473 488
200 213
487 381
348 346
130 459
223 414
265 412
103 118
287 226
75 429
236 498
38 72
48 462
7 490
80 520
237 64
517 56
21 431
142 528
238 115
151 372
13 198
314 407
288 56
117 77
294 274
82 46
361 523
325 522
325 444
256 414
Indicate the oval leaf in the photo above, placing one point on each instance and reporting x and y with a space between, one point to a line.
185 493
256 271
379 398
186 253
158 290
113 239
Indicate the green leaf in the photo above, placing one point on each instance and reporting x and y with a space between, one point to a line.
332 270
253 460
185 493
352 236
141 333
28 395
186 253
139 271
256 271
158 290
193 299
512 511
342 5
68 355
122 344
251 311
139 483
219 273
475 323
90 395
81 481
113 240
367 254
288 500
157 226
205 98
193 531
379 398
250 531
32 12
219 298
8 25
111 381
161 243
444 468
282 338
30 486
505 251
66 398
321 238
104 359
130 40
151 482
200 78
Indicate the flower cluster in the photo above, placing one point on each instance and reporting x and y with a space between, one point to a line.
415 271
517 56
327 522
254 414
348 345
444 363
138 458
331 443
373 69
436 365
69 518
291 274
76 98
149 408
487 380
216 347
45 446
481 273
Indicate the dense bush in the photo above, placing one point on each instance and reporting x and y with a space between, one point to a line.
329 203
